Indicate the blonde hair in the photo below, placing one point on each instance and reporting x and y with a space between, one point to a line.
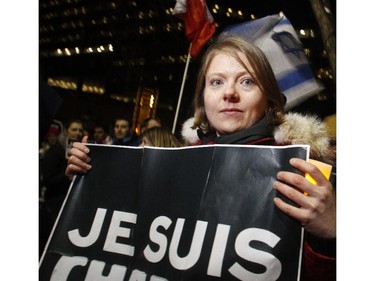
263 76
160 137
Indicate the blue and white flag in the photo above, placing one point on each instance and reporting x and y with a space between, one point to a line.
276 37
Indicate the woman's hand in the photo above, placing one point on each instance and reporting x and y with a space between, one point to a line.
78 159
317 211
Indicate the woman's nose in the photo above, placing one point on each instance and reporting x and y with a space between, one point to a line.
230 93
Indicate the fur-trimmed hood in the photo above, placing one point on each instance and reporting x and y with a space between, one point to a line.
297 129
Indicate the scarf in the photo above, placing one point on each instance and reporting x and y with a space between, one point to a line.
259 131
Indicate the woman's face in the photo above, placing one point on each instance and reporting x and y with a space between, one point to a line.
232 100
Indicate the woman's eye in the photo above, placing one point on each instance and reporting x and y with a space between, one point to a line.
216 82
247 82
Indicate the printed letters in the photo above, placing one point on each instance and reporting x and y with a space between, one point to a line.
215 264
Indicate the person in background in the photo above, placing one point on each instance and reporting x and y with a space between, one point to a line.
73 132
100 135
123 133
237 101
159 137
53 179
55 161
149 123
51 138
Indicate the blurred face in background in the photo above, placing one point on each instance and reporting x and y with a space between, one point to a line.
121 129
75 131
52 136
99 135
153 123
52 139
149 123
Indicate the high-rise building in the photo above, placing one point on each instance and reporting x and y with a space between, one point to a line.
102 55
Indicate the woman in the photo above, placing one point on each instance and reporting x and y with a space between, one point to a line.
237 101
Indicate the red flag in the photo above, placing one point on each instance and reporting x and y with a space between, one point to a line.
199 23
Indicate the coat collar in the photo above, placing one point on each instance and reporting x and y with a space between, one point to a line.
296 129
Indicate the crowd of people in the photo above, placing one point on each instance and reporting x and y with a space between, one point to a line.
237 101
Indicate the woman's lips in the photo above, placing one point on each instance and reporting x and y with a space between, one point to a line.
230 110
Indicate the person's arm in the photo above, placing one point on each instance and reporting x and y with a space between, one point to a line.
317 266
316 212
78 161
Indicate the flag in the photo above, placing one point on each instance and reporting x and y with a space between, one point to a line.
199 23
276 37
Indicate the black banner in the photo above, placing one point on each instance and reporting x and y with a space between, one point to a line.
197 213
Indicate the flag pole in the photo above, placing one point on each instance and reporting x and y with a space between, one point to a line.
181 90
